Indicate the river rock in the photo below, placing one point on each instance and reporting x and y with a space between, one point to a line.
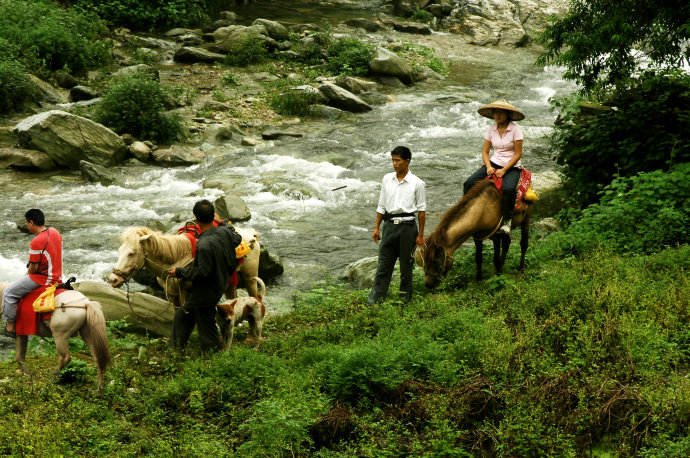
177 156
215 25
343 99
177 32
388 63
140 151
325 112
25 159
190 55
46 93
363 23
314 93
270 265
96 173
229 15
78 93
272 134
411 27
407 7
190 39
144 313
227 39
375 98
275 30
137 70
68 138
217 133
361 273
232 208
355 85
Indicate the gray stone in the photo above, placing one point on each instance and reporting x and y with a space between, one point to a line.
355 85
190 39
177 156
228 15
363 23
190 55
272 134
215 25
78 93
411 27
68 138
136 70
343 99
270 265
25 159
96 173
46 92
249 141
65 80
276 30
232 208
361 273
140 151
388 63
312 91
217 133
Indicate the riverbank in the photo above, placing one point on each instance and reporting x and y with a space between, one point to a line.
580 354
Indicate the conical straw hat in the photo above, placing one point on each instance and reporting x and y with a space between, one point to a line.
488 110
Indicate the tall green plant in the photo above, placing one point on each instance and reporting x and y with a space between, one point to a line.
149 15
349 56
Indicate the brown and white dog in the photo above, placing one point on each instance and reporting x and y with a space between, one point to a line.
232 312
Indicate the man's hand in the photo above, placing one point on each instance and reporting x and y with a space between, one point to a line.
376 235
172 272
420 240
217 219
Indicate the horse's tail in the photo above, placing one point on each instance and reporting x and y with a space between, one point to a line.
97 335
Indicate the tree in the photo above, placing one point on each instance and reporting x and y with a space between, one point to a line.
602 43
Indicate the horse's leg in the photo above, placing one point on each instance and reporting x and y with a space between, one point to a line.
62 346
249 282
95 335
478 258
498 264
21 343
524 241
505 242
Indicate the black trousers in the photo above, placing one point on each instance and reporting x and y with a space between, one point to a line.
397 242
509 188
204 317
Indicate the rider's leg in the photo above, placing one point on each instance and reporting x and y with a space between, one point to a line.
11 296
509 188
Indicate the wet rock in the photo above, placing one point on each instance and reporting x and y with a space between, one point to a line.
78 93
217 133
140 151
190 55
177 156
25 159
355 85
227 39
249 141
96 173
325 112
275 30
314 93
272 134
270 265
177 32
190 39
232 208
68 138
388 63
136 70
412 27
343 99
215 25
361 273
363 23
375 98
65 80
228 15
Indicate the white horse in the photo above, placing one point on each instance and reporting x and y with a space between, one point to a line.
73 313
145 248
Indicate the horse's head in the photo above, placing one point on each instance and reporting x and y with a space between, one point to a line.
436 262
131 257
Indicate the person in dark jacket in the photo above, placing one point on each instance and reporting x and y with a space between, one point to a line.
214 263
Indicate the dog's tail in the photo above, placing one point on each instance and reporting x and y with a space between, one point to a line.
262 294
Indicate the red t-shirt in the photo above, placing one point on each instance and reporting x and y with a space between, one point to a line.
46 250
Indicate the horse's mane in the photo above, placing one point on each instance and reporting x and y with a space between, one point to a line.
165 247
438 237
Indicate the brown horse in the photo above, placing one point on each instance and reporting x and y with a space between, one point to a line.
478 215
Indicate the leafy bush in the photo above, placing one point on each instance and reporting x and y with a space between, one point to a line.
15 87
136 105
648 129
148 16
249 51
47 37
292 102
349 56
422 15
644 213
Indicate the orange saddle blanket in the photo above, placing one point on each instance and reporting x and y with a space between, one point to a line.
28 322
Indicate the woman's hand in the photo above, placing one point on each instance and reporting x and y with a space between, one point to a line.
500 172
490 170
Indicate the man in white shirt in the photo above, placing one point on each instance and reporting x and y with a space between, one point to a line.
402 194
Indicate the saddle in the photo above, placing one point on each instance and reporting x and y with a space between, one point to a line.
524 189
28 322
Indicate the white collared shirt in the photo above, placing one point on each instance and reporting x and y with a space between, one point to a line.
406 196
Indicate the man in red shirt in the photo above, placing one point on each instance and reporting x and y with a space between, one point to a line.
44 267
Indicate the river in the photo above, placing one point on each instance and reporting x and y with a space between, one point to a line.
312 199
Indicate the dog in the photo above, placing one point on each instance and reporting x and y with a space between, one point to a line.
232 312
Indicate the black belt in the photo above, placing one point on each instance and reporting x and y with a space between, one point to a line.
409 222
388 216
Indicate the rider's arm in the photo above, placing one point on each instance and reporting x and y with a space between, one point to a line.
33 268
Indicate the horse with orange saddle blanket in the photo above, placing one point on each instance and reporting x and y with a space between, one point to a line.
74 314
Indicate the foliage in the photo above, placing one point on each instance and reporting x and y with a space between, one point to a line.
419 56
349 56
647 129
422 15
599 41
644 213
146 16
45 37
292 101
136 105
15 87
248 51
230 79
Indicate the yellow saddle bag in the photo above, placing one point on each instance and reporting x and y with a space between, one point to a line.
530 195
46 301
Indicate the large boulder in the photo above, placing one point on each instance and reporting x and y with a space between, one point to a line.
177 155
270 265
68 139
190 55
275 30
97 173
227 39
25 159
46 93
232 208
361 273
343 99
144 313
386 62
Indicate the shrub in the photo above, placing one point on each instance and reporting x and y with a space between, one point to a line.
292 102
149 15
648 129
349 56
249 51
15 87
46 37
136 105
422 15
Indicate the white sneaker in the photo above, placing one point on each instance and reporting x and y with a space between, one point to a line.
505 228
